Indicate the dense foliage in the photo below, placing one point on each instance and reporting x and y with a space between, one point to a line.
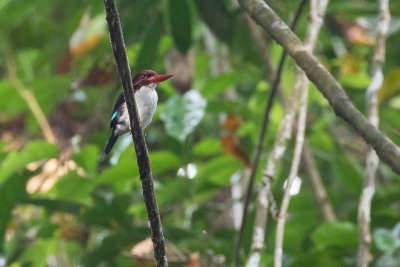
61 206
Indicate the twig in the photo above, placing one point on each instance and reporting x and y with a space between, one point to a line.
324 81
263 129
29 98
279 147
143 161
292 175
316 181
372 161
317 11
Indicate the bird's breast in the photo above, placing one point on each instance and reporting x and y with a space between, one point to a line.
146 100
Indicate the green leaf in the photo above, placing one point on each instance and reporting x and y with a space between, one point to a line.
215 173
220 83
163 160
208 147
181 24
335 234
148 52
182 114
109 208
10 100
216 16
108 247
177 190
34 151
11 191
53 205
359 80
384 240
350 176
72 187
136 15
122 175
87 158
391 84
39 251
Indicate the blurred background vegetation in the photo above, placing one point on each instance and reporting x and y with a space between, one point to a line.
58 84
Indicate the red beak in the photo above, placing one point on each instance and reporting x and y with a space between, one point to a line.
159 78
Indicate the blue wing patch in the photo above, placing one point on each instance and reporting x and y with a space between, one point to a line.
114 115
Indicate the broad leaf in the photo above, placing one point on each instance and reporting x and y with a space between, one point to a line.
11 191
34 151
385 241
335 234
88 157
181 24
182 114
148 51
163 160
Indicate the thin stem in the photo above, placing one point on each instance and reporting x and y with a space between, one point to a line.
317 11
263 130
372 161
29 98
118 46
293 173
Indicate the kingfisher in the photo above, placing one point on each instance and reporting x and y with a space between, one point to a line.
144 87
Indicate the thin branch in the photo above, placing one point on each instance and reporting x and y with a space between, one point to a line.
29 98
364 208
301 127
283 135
263 130
324 81
317 12
279 147
143 161
318 185
264 202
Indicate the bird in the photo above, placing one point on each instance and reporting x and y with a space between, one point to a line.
144 87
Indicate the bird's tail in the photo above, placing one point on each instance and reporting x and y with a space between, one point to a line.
110 143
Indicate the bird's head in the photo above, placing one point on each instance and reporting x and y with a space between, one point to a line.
148 78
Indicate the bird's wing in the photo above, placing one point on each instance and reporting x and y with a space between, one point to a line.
115 115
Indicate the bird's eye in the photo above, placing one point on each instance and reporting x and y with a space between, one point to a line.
142 77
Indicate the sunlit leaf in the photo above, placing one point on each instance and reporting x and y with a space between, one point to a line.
38 252
182 114
391 84
385 241
88 34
